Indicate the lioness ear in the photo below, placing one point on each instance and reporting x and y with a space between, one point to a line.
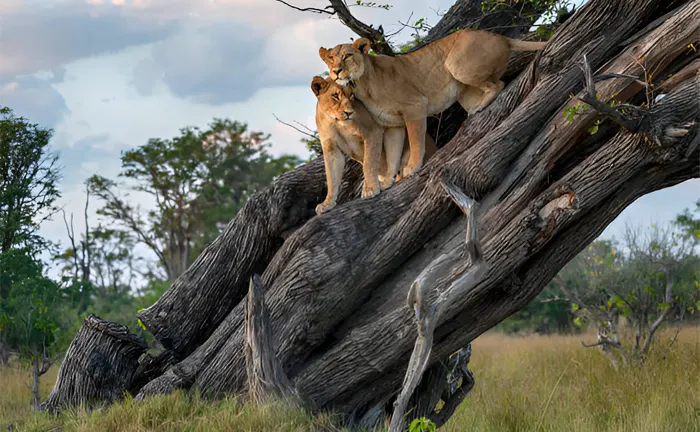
323 53
362 44
318 84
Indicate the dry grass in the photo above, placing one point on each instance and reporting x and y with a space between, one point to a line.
533 383
552 383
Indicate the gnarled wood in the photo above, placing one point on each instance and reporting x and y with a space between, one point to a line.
184 316
336 284
98 365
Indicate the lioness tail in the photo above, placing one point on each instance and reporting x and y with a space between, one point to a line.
519 45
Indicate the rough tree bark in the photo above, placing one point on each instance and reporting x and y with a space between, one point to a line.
336 285
98 365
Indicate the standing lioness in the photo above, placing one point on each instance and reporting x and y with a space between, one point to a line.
346 128
465 66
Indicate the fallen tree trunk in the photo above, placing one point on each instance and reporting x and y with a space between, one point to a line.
336 284
98 366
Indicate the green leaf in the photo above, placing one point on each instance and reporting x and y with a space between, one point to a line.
697 305
664 306
574 307
577 322
593 129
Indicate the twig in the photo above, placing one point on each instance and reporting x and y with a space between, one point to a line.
403 26
310 9
673 339
602 342
553 299
295 128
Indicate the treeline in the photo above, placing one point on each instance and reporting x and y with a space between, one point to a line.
195 183
126 258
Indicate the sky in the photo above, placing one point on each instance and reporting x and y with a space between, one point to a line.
107 75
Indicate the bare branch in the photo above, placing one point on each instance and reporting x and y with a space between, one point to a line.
553 299
668 298
469 207
340 8
327 10
603 342
294 127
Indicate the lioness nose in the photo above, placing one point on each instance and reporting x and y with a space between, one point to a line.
337 71
348 114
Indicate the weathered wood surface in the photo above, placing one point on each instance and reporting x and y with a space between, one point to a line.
98 366
266 379
335 285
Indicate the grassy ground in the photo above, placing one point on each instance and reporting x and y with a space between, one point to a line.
533 383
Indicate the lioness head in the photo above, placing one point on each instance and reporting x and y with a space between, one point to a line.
346 61
334 100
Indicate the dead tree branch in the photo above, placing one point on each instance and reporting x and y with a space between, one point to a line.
427 313
266 378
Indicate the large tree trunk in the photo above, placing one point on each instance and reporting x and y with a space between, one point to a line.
336 285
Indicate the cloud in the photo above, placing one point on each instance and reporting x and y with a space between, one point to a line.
35 38
94 141
215 64
35 99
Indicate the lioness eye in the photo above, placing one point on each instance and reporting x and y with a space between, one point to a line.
335 96
346 56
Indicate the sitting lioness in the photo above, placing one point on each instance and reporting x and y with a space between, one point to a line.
346 128
465 66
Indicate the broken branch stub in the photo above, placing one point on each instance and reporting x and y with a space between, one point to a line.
266 378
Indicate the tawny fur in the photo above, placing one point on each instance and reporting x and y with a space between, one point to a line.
464 67
346 128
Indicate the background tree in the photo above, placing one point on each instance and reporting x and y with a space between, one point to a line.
106 277
33 314
198 181
32 307
648 278
28 178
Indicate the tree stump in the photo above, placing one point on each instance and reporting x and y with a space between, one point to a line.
98 365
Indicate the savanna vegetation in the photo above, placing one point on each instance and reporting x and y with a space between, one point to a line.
610 343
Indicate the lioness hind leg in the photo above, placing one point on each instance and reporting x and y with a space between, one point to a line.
491 90
470 98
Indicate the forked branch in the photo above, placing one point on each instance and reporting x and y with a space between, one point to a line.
628 116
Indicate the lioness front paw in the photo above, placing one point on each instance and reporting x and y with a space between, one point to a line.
369 192
386 182
410 170
324 207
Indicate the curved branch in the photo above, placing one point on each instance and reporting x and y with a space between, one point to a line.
376 37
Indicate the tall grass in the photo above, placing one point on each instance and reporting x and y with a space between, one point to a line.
552 383
532 383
